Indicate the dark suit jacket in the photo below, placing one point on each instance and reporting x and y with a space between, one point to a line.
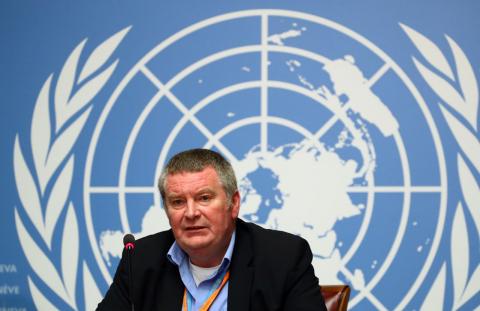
270 270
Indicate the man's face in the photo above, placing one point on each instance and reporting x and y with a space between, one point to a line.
198 212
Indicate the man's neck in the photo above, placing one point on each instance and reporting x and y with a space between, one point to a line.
204 262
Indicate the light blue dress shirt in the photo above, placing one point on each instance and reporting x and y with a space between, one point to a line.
201 293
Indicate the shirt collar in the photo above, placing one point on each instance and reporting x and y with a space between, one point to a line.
177 256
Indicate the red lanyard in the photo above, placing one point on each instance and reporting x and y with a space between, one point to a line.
209 301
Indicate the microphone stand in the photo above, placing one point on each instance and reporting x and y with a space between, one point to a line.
130 275
129 242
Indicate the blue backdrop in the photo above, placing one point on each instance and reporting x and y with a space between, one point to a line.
351 123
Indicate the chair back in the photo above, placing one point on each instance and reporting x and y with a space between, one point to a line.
335 296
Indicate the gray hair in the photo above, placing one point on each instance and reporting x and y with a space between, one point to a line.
196 160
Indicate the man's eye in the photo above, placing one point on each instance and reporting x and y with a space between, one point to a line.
205 198
176 202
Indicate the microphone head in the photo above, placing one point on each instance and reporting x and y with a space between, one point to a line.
129 241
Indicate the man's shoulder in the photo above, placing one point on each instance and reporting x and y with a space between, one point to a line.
160 241
273 253
266 240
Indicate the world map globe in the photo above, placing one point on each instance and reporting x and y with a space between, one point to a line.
315 141
275 194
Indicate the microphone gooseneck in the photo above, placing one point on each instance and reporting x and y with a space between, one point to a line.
129 243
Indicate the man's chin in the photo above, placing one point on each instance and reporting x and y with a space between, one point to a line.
197 242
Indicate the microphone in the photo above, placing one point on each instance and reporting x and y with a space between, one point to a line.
129 243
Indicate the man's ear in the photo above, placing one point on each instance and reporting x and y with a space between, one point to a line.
235 204
166 210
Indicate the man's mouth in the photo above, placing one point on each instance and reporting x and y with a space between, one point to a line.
194 228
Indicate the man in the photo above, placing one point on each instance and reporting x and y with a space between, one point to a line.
210 259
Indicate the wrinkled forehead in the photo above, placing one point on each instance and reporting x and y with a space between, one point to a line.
205 178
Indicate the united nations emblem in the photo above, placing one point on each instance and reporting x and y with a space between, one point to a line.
330 138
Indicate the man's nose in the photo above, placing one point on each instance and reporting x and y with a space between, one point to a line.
192 209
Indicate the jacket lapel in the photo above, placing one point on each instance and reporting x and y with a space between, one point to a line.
241 271
171 292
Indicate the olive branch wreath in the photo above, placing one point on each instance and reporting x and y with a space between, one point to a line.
458 92
44 190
